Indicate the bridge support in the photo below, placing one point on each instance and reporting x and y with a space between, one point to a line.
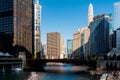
22 55
3 69
8 64
35 65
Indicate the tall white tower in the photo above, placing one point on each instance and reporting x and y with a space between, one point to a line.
37 27
116 15
90 14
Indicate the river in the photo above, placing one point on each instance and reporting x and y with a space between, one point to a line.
52 72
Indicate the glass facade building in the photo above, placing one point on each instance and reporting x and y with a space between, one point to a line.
99 35
16 22
6 23
83 43
6 16
44 50
111 33
69 47
118 38
116 15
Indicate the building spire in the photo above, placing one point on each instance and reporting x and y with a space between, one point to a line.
90 4
90 14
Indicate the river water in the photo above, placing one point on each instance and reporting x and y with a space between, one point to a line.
52 72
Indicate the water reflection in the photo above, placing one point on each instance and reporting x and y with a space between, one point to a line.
59 76
63 72
34 76
54 76
66 72
65 68
14 75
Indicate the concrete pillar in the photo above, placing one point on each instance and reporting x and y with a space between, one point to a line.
22 55
3 69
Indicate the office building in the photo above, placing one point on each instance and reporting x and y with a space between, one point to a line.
118 38
99 35
53 45
111 33
69 48
85 33
62 48
114 39
77 43
116 15
16 24
44 51
116 23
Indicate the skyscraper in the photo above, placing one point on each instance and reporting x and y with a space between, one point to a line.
99 35
116 15
90 14
16 24
37 25
53 45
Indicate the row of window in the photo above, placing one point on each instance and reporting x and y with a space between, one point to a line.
7 31
6 18
5 6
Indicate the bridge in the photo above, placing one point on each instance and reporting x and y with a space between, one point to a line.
40 63
10 63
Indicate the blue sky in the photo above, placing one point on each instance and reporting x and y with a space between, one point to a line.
66 16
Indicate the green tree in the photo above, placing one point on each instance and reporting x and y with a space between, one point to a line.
37 55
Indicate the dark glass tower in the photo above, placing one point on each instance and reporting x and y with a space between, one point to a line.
99 35
69 47
16 23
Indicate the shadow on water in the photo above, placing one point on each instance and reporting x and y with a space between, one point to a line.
14 75
52 72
